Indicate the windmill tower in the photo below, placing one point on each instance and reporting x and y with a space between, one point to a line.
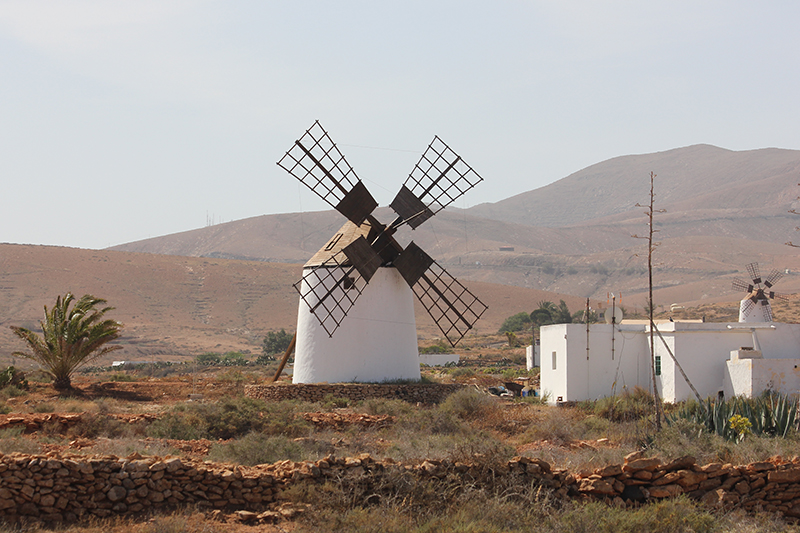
363 262
756 307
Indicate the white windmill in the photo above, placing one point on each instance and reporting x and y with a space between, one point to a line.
756 307
363 261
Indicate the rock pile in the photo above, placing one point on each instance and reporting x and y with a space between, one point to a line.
339 421
770 485
60 422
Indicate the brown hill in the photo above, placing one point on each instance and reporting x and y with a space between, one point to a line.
724 210
688 179
175 307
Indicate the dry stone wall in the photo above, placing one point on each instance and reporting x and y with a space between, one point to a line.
427 393
72 487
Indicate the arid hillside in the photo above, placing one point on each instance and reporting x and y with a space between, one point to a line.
724 209
701 178
175 307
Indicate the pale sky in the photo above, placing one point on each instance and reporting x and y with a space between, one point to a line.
123 120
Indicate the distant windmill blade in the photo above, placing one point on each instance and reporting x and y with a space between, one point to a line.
330 291
767 310
779 296
742 285
773 278
318 164
438 179
752 269
451 305
747 305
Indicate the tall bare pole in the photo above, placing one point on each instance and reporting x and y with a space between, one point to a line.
650 248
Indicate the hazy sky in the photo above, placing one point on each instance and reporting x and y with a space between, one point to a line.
122 120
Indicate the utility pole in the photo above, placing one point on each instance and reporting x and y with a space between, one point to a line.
650 248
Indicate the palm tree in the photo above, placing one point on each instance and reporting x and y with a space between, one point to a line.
70 337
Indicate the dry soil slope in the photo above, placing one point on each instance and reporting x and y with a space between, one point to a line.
724 209
176 307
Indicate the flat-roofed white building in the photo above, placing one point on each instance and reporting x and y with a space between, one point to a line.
733 358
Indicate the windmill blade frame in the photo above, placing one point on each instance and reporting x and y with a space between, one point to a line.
773 278
452 306
752 269
438 179
330 291
766 309
748 304
317 163
739 284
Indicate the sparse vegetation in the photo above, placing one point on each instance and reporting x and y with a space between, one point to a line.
469 422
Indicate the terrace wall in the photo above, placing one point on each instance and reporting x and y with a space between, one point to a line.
72 487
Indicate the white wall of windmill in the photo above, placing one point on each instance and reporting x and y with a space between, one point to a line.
752 312
376 342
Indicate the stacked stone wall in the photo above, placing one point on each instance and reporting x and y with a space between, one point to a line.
72 487
427 393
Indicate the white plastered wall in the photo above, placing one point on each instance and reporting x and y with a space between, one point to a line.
751 377
376 342
703 350
532 356
577 378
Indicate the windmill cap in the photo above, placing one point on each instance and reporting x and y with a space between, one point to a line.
333 248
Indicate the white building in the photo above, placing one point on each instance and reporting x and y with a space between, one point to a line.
711 355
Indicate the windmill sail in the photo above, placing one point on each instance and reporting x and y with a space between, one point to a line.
438 179
451 305
318 164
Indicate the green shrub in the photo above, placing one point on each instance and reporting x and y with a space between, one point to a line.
233 359
233 417
44 407
334 402
519 322
230 418
470 404
179 423
207 359
383 406
276 342
120 377
464 372
13 377
439 347
257 448
626 407
669 516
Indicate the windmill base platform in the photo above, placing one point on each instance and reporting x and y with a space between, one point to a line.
377 342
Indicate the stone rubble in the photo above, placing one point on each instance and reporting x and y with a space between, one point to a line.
70 487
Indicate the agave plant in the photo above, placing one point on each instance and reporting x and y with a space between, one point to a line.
71 336
772 414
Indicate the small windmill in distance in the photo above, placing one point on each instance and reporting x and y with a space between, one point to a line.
756 307
363 274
